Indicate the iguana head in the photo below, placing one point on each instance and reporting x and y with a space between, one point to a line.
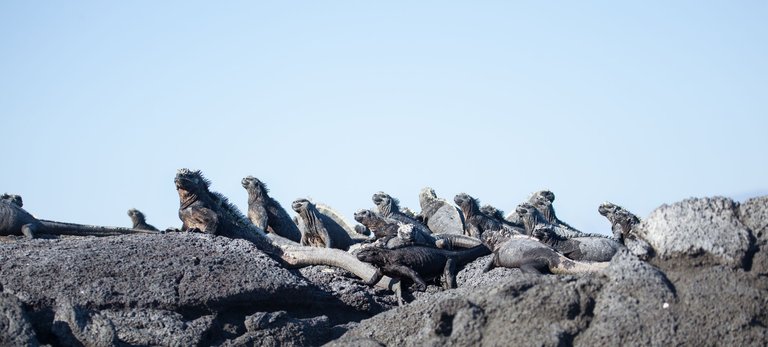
544 206
136 215
606 209
299 205
546 194
530 216
191 181
13 199
385 203
426 195
373 255
365 216
618 216
254 186
466 203
492 212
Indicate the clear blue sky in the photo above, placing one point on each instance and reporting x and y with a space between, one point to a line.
638 103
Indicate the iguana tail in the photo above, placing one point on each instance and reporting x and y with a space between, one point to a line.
453 241
61 228
564 265
300 256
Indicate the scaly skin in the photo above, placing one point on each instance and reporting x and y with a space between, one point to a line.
439 215
313 229
419 263
266 213
389 207
531 256
393 233
14 220
623 223
476 222
202 210
139 221
584 248
12 198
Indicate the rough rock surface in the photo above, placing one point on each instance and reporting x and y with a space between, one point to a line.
694 227
76 288
707 285
754 214
15 329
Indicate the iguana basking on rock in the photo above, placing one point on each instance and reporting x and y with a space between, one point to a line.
139 221
389 207
313 230
584 248
394 234
543 201
476 222
419 263
513 250
266 213
12 198
439 215
498 215
14 220
623 223
202 210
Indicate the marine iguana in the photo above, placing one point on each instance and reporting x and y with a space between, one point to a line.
393 234
513 250
498 215
389 207
585 248
139 221
419 262
543 201
202 210
439 215
12 198
313 229
14 220
476 222
266 213
623 223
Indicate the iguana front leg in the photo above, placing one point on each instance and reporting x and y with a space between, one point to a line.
404 271
491 263
375 278
449 274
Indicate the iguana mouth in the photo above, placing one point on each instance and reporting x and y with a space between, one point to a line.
605 208
522 209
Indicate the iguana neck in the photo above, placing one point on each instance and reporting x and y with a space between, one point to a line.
187 198
309 215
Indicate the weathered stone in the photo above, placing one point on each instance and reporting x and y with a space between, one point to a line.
176 271
15 329
698 226
633 308
145 327
280 329
754 214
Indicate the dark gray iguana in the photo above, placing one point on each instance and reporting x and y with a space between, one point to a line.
139 221
314 231
12 198
389 207
202 210
476 222
498 215
584 248
439 215
418 263
513 250
394 234
14 220
266 213
623 223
